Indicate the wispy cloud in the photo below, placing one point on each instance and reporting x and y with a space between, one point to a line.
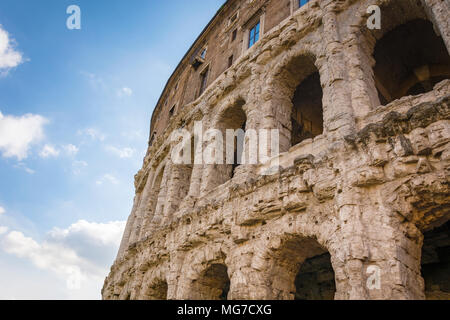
78 166
107 178
121 152
9 57
49 151
92 133
3 230
79 254
2 210
23 166
17 134
96 82
124 92
71 150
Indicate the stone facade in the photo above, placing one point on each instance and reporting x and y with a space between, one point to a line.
359 207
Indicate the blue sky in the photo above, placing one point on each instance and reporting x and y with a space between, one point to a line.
75 108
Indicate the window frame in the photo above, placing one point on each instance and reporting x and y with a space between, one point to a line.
254 34
204 75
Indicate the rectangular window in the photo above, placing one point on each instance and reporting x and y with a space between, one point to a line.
234 35
233 18
303 2
230 61
254 35
203 80
203 54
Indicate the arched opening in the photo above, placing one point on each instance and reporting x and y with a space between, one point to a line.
302 270
233 118
150 201
213 284
315 279
410 59
156 291
436 263
180 179
307 111
297 101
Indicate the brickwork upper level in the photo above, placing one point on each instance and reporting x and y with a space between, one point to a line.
220 44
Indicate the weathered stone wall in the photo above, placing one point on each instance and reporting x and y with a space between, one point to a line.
362 194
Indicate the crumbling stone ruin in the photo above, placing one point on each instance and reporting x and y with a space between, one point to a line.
358 207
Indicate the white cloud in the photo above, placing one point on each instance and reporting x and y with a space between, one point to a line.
107 178
3 230
21 165
95 81
124 92
80 254
121 152
2 210
77 166
49 151
17 134
9 57
92 133
71 150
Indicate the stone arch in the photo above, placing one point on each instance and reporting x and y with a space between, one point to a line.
234 117
213 283
205 275
151 198
154 286
405 57
178 182
435 262
300 268
297 98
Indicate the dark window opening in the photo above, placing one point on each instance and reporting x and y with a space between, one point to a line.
152 138
307 113
172 112
436 263
411 59
238 145
254 34
204 80
233 18
230 61
234 35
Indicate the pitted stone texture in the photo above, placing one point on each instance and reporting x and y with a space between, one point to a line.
357 201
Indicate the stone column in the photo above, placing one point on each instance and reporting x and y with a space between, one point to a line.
438 12
141 210
129 227
247 280
378 253
337 109
161 202
177 189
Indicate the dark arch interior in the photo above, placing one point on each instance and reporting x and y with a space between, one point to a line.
233 118
436 263
303 271
315 279
158 291
410 60
307 111
214 284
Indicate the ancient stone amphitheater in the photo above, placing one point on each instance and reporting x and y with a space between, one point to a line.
358 206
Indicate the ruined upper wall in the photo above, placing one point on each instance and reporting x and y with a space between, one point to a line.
225 39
